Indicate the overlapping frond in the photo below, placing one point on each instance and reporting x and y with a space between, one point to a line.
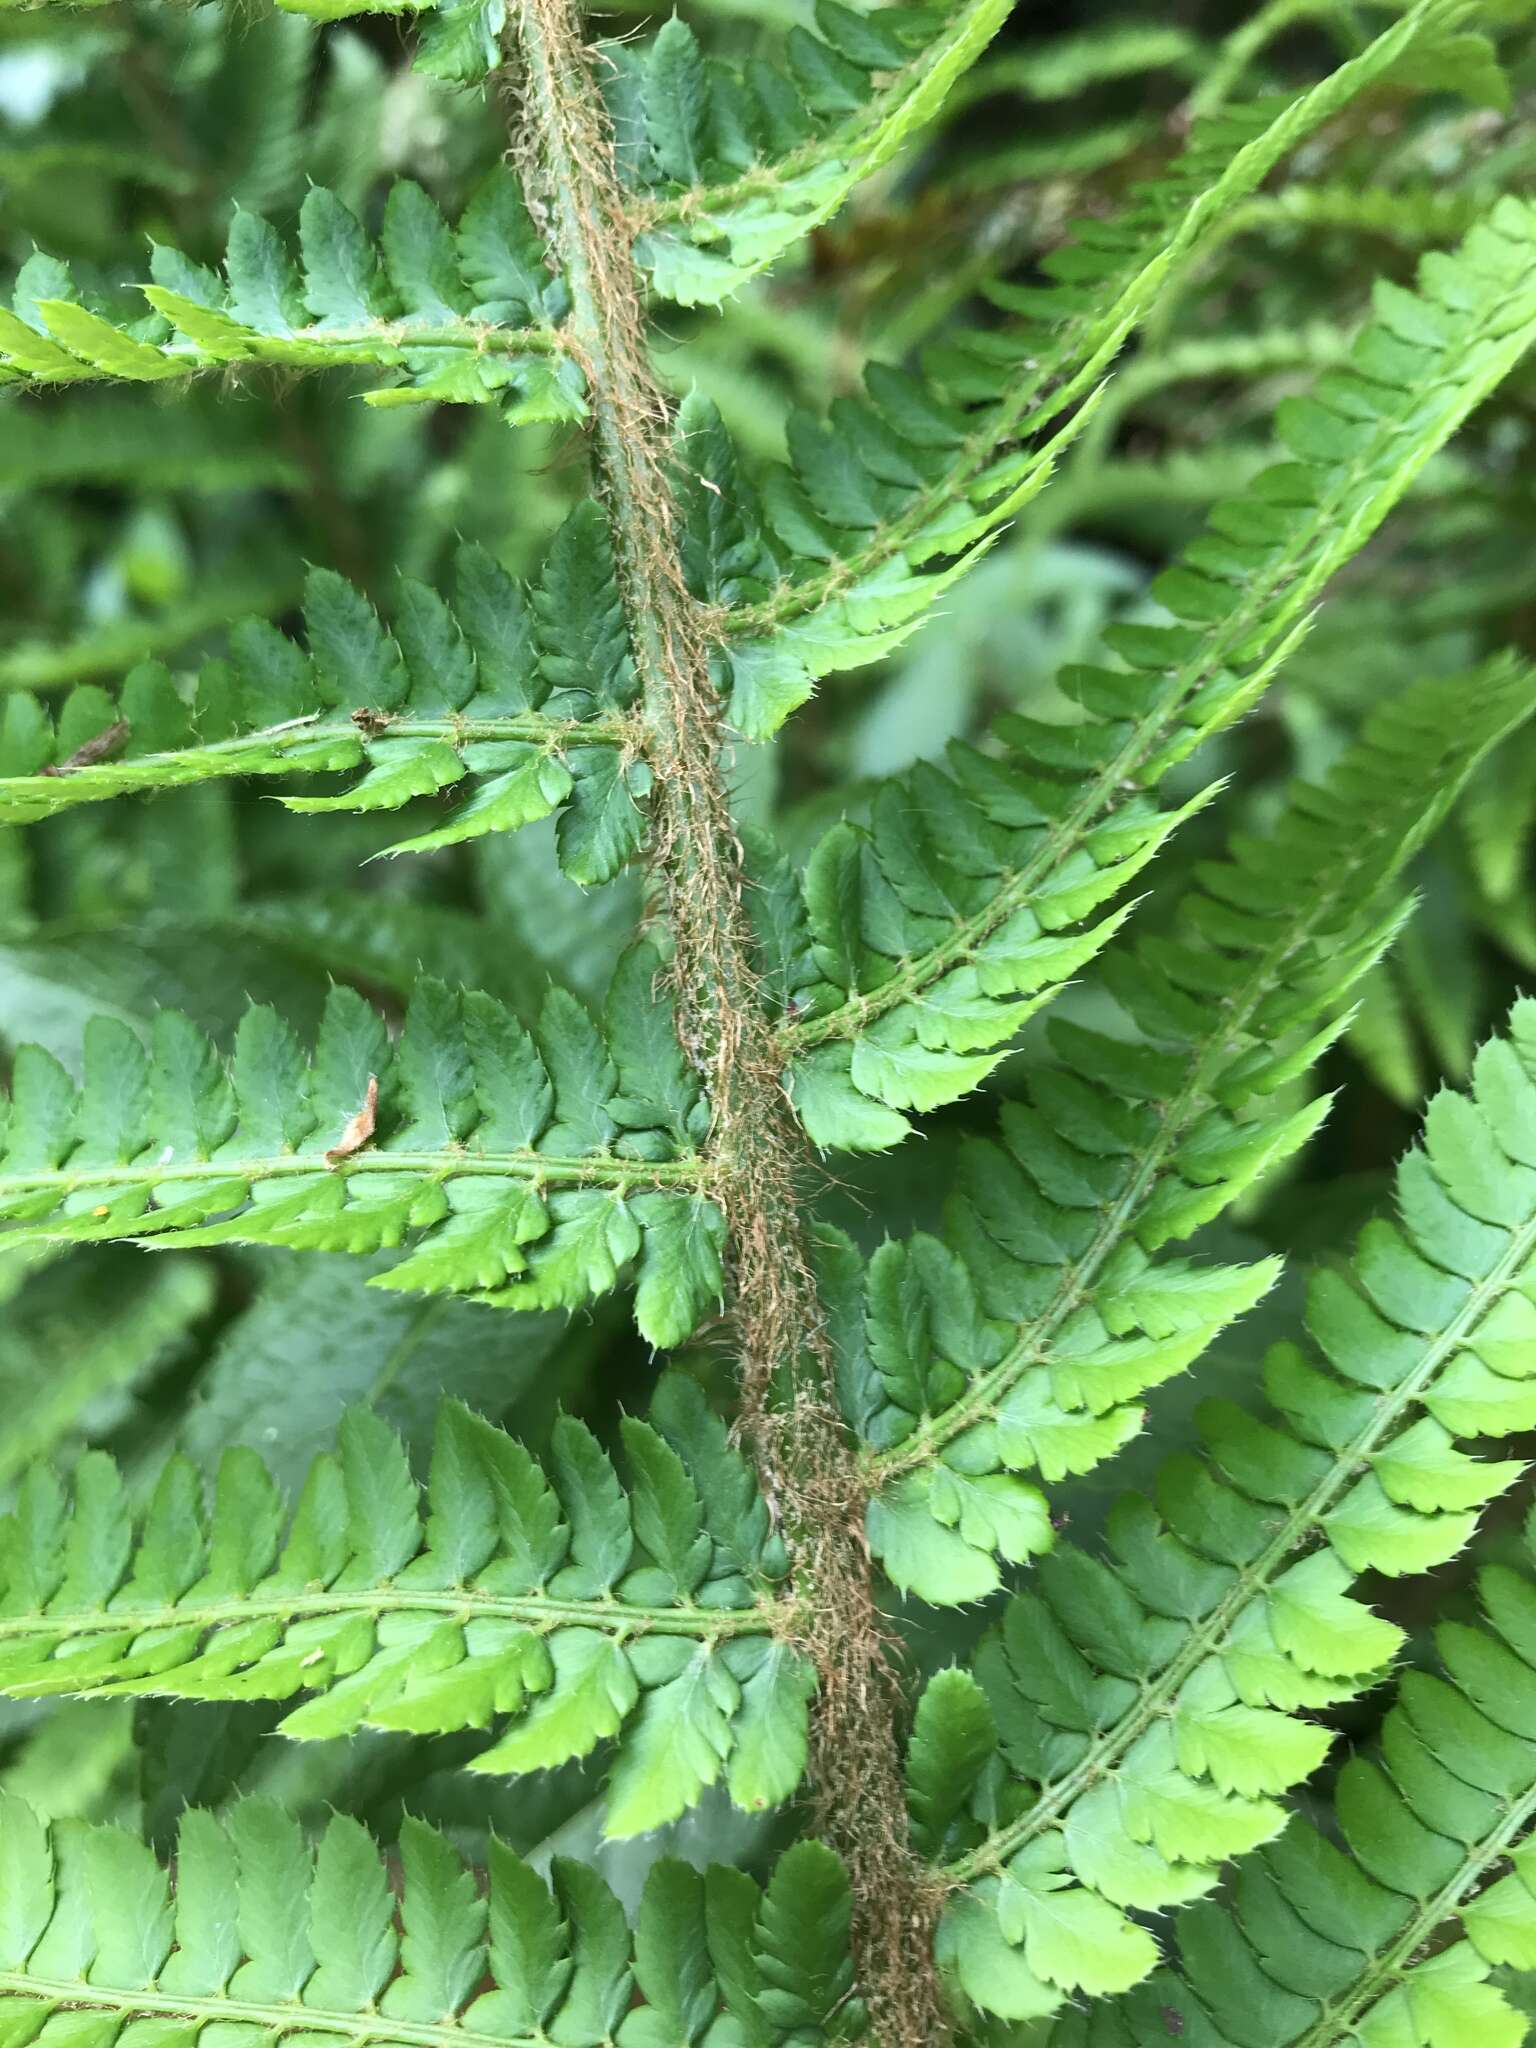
738 165
734 164
531 1170
931 469
1026 1340
545 1602
929 935
1397 1935
1150 1706
527 695
254 1932
68 1347
469 315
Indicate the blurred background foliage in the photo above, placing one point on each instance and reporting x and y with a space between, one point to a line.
133 525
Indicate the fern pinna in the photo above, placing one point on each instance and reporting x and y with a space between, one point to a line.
815 1684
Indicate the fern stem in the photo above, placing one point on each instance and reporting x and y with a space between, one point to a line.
386 344
457 731
265 751
808 1467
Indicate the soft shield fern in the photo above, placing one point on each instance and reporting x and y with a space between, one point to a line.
947 1024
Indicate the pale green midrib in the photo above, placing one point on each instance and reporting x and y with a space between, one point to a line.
1107 330
461 1603
1251 1580
484 337
1386 1971
851 1019
707 199
278 2020
1232 1016
319 347
604 1169
297 734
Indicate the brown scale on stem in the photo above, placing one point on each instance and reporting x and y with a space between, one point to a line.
805 1457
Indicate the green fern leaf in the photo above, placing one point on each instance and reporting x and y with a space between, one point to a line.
499 688
418 308
258 1929
1026 1341
559 1608
531 1173
936 931
1396 1935
1152 1747
929 469
739 167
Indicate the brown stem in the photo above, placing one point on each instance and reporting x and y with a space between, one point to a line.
805 1457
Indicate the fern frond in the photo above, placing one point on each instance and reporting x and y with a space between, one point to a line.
1063 67
128 437
58 1361
929 469
1148 1708
1238 357
738 166
529 696
468 316
256 1930
1411 215
554 1606
226 591
1395 1936
531 1173
935 932
1028 1338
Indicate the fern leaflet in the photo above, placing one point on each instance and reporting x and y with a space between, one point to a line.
95 1937
930 468
553 1605
501 687
933 934
1397 1939
530 1171
468 316
1146 1707
1028 1338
